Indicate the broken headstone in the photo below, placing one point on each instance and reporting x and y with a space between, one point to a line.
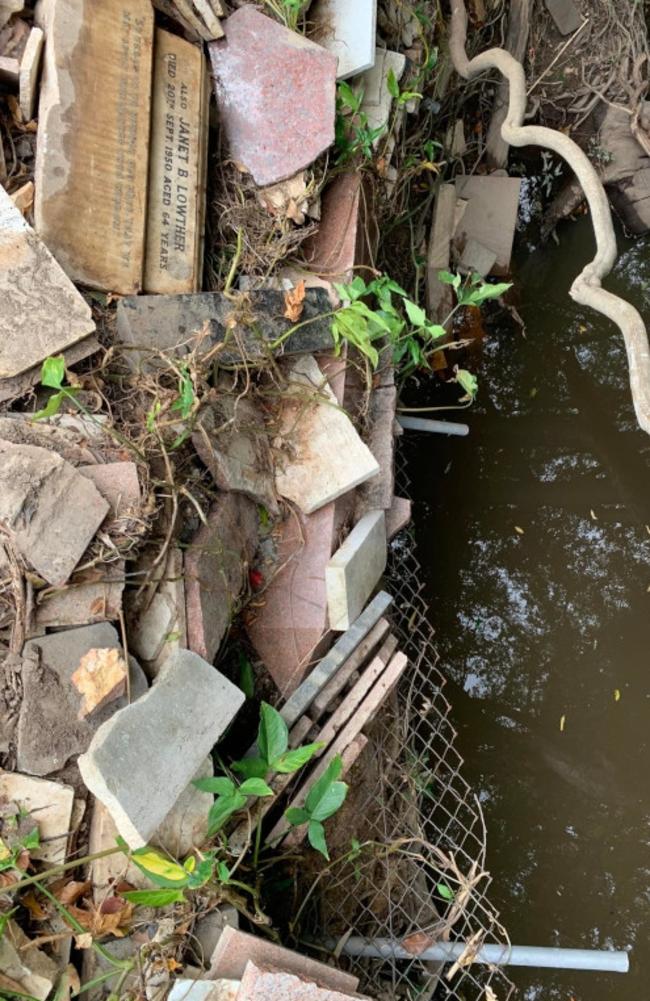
322 455
348 31
50 511
216 567
355 570
41 312
239 328
93 141
177 167
176 724
273 83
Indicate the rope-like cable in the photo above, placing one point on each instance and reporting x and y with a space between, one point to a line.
586 289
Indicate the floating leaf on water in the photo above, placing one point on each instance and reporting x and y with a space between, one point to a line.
562 722
617 695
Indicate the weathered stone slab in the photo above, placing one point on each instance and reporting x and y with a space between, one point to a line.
8 8
377 99
201 322
83 601
30 65
93 141
210 17
118 484
204 990
11 389
324 456
176 724
207 931
161 627
490 216
107 871
49 729
565 14
348 31
176 200
377 493
476 259
261 985
9 70
216 568
49 804
274 83
26 966
231 439
236 948
355 569
49 509
41 312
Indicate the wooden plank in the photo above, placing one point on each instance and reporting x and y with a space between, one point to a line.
371 704
352 664
314 683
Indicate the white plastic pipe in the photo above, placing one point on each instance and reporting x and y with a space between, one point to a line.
496 955
433 427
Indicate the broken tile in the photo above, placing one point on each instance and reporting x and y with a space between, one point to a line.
160 628
263 985
231 439
439 295
272 82
30 65
50 511
207 931
476 259
354 571
49 730
377 493
176 724
202 321
216 570
322 455
25 965
41 312
50 805
490 216
398 516
100 678
176 195
565 14
84 600
204 990
118 484
348 31
93 142
335 249
377 99
236 948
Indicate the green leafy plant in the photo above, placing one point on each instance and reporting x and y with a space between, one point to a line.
184 405
289 11
171 878
53 376
402 97
324 799
19 836
274 754
353 135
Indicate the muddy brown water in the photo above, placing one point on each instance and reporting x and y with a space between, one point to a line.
534 537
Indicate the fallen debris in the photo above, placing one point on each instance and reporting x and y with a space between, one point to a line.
27 968
354 571
30 66
176 723
346 30
565 15
489 216
261 52
49 809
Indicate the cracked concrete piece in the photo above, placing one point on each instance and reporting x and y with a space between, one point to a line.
176 724
41 312
30 65
355 570
490 215
50 511
216 568
92 153
322 455
275 93
50 803
49 730
118 483
26 966
83 601
161 628
348 31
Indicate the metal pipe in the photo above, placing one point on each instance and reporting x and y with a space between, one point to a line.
433 427
495 955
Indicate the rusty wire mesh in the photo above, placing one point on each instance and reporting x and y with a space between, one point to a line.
419 875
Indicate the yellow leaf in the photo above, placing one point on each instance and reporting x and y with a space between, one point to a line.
156 864
294 302
617 695
562 722
519 530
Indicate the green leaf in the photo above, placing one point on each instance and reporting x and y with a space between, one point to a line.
223 872
392 84
480 295
158 868
444 891
201 873
252 768
448 279
153 898
255 787
327 795
349 98
222 809
435 330
316 837
221 785
273 735
31 840
468 381
415 313
53 372
51 408
409 95
185 400
296 816
291 761
246 676
152 415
